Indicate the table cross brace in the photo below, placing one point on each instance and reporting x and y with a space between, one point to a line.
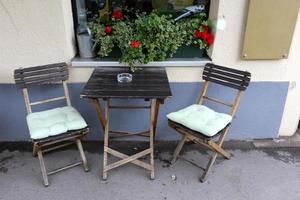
127 159
116 134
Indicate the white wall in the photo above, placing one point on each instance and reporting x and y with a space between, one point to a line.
34 32
291 113
229 43
227 51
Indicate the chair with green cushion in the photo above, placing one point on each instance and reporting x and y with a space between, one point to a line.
52 128
203 125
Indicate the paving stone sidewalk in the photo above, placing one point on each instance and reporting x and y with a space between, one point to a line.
250 174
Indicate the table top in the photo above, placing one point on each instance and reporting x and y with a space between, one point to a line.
147 83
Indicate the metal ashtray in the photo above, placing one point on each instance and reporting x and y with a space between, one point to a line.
124 78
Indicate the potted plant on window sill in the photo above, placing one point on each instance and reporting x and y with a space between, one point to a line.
148 37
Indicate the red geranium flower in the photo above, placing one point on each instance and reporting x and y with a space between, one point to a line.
135 43
209 38
107 29
117 14
198 34
205 28
204 35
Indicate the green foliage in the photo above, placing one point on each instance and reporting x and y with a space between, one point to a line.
104 41
157 36
188 27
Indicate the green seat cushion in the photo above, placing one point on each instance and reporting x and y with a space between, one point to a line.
54 122
201 119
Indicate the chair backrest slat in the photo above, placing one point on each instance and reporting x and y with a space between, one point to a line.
45 69
40 75
229 77
218 101
47 100
53 78
25 77
40 67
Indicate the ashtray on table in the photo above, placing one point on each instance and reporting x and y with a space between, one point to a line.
124 78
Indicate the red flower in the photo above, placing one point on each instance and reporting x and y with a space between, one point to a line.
117 14
204 28
198 34
209 38
204 35
135 44
107 29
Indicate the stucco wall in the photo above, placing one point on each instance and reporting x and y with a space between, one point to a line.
291 113
227 50
34 32
248 124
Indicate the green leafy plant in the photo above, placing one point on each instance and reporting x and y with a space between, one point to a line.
196 31
102 39
148 37
159 35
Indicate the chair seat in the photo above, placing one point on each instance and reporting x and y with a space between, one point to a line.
54 122
201 119
64 136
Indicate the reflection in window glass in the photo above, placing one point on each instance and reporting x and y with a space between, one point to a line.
89 9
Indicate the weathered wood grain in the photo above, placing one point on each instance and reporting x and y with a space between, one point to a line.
147 83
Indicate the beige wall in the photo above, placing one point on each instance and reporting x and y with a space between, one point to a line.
34 32
291 113
228 46
227 51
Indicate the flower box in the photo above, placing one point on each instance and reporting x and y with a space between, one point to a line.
190 51
150 37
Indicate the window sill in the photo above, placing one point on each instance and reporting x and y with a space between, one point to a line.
78 62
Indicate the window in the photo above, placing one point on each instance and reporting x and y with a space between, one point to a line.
85 10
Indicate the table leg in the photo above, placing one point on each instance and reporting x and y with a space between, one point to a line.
152 122
99 112
104 120
157 104
106 136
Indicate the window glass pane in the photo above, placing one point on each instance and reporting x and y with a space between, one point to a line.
87 10
91 8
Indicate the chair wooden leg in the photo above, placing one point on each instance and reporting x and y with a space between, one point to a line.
208 167
178 148
214 156
43 168
82 155
34 150
219 149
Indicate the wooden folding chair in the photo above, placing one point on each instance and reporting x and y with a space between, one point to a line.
224 76
47 74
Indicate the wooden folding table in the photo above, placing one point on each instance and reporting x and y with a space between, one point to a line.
150 84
